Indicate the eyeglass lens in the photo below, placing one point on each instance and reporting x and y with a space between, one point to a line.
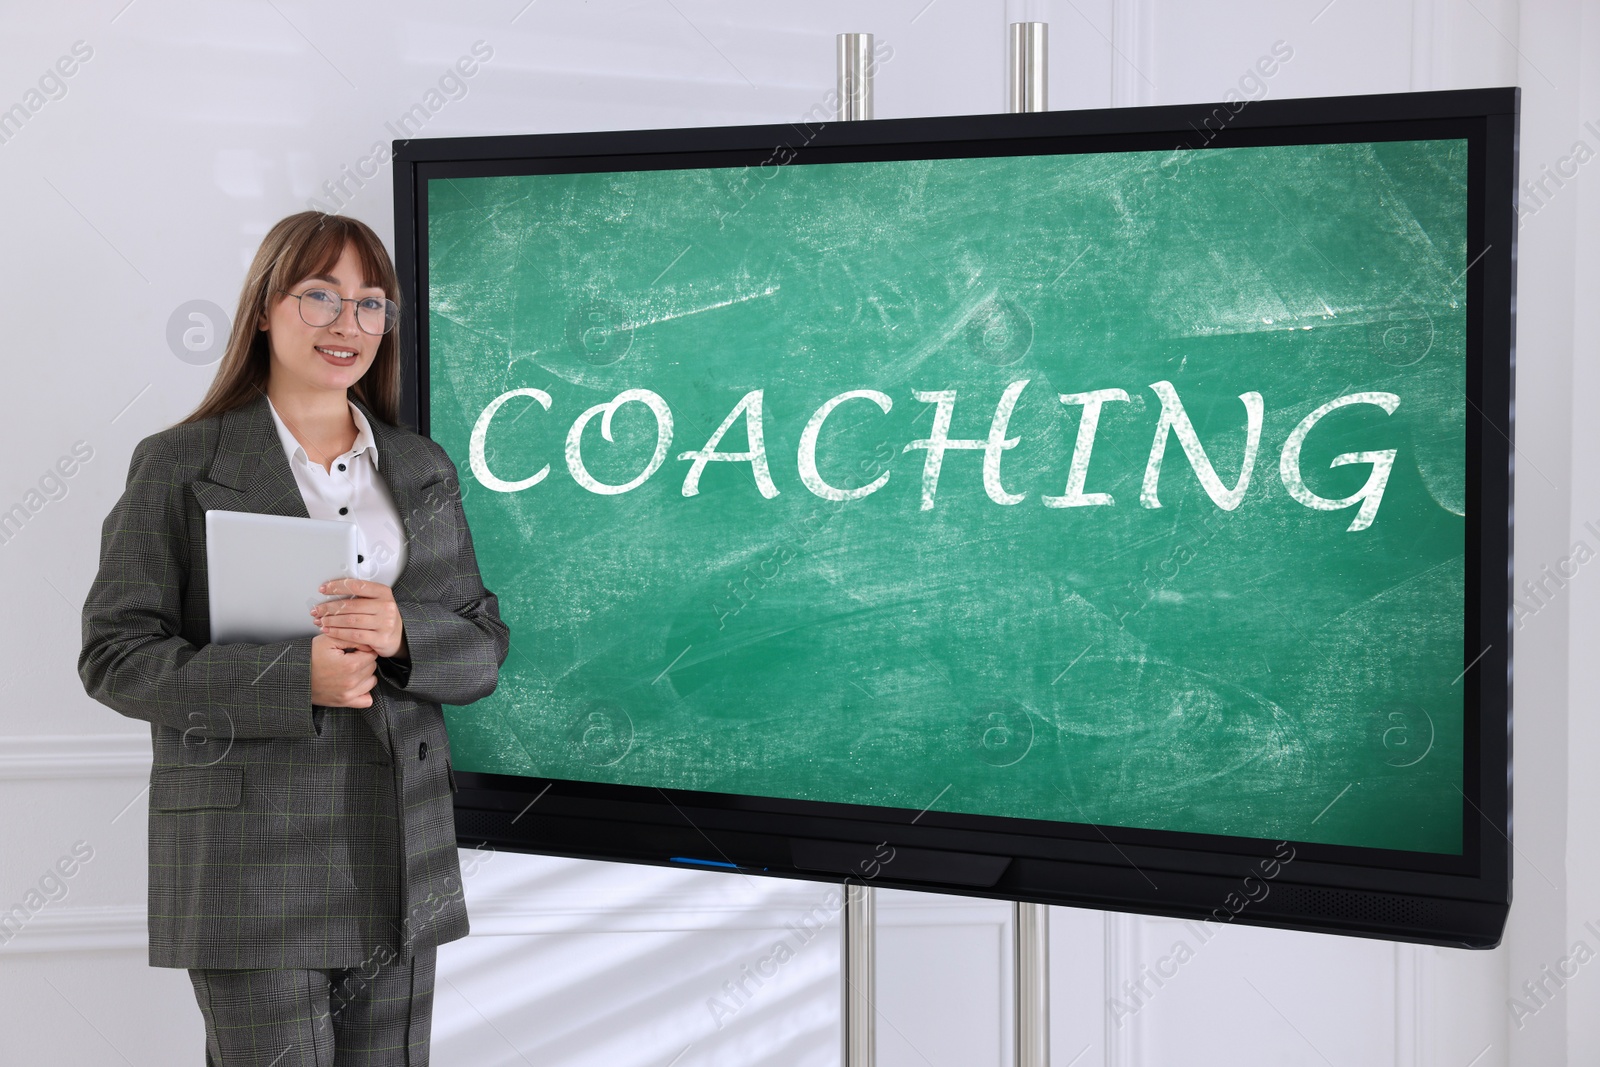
320 307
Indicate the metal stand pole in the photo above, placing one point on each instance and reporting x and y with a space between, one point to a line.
1033 984
857 926
1029 72
1029 78
855 76
860 1040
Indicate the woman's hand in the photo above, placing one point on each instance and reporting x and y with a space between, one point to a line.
341 678
370 621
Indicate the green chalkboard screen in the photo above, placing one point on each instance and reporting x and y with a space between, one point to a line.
1123 488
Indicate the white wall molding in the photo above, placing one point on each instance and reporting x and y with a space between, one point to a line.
1124 949
944 963
939 909
68 756
1413 1005
540 910
108 928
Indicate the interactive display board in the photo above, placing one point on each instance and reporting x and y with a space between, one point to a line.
1088 507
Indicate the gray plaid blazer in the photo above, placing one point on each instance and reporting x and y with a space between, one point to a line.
282 833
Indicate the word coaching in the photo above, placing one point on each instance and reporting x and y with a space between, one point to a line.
1174 422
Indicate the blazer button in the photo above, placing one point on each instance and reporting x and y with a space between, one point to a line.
422 750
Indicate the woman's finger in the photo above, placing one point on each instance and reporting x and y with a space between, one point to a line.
364 612
348 613
364 632
357 586
365 640
353 604
377 634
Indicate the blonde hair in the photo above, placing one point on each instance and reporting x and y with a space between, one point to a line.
298 247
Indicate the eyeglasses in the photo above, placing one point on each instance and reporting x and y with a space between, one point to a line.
322 307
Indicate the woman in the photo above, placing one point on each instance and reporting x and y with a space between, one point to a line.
303 858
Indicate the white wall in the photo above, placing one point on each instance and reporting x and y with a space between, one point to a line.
193 126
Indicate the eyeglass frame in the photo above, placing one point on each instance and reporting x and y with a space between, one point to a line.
392 321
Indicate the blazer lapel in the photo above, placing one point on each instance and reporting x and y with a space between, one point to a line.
249 471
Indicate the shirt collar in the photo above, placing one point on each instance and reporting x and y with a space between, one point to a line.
293 449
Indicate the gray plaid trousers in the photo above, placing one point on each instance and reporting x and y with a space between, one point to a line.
377 1015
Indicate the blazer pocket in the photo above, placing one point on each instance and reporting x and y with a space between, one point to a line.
189 788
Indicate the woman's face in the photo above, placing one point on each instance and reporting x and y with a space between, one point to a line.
330 357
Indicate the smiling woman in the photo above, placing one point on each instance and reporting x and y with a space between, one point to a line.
310 250
280 863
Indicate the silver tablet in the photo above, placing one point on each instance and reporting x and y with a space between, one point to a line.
265 570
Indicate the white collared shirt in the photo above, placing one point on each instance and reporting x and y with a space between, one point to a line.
352 491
